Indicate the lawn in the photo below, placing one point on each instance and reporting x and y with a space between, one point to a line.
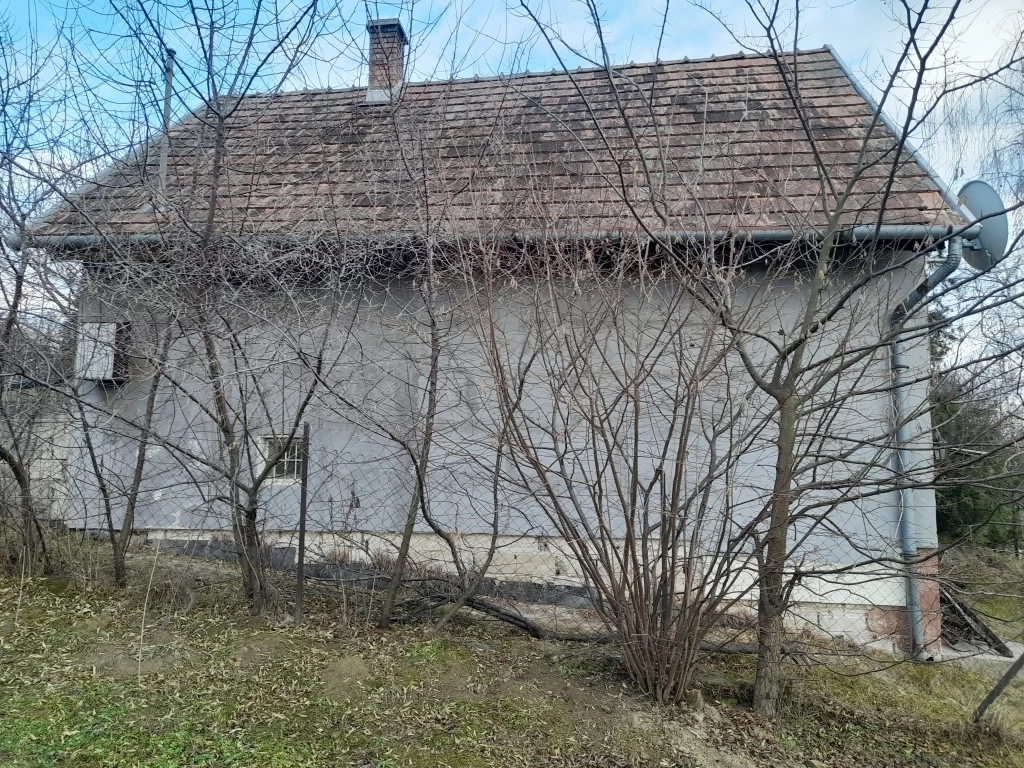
91 679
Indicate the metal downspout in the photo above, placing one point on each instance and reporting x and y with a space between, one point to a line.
903 457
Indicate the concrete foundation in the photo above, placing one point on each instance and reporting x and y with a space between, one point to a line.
862 606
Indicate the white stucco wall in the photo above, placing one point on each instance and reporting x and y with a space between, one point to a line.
369 394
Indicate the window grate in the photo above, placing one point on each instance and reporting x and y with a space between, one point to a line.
289 463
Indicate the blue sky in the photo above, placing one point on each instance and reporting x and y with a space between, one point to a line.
863 31
482 37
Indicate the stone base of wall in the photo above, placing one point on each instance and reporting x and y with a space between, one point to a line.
863 606
893 622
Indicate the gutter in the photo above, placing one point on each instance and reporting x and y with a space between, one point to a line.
21 384
903 458
76 242
867 232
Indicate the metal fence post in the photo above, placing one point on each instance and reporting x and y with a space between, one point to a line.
300 575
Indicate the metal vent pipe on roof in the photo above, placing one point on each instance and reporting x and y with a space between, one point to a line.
165 140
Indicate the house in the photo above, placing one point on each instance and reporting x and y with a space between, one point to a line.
275 277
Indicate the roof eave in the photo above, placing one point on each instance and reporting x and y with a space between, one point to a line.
868 232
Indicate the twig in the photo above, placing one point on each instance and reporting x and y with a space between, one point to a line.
21 588
542 633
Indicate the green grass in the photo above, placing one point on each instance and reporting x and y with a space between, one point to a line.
935 693
214 692
103 723
213 687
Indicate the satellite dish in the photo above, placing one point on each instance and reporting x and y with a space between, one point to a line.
981 201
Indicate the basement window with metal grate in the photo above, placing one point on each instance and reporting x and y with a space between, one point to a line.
289 463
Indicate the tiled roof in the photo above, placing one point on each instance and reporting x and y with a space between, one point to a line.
705 145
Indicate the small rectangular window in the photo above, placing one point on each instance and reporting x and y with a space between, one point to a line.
102 353
289 463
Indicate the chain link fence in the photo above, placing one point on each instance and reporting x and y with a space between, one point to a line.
551 498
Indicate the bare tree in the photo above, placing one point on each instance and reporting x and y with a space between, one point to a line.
238 51
699 414
34 293
817 363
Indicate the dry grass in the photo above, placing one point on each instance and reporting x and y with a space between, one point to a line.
206 685
993 584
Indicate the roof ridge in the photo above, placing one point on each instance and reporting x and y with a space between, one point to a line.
714 58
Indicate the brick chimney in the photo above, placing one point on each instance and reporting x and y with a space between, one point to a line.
387 60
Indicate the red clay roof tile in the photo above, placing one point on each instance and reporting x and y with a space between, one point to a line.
711 145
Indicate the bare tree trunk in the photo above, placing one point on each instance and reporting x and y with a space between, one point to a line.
124 537
472 584
97 469
403 555
420 460
243 516
11 458
252 555
28 517
772 596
